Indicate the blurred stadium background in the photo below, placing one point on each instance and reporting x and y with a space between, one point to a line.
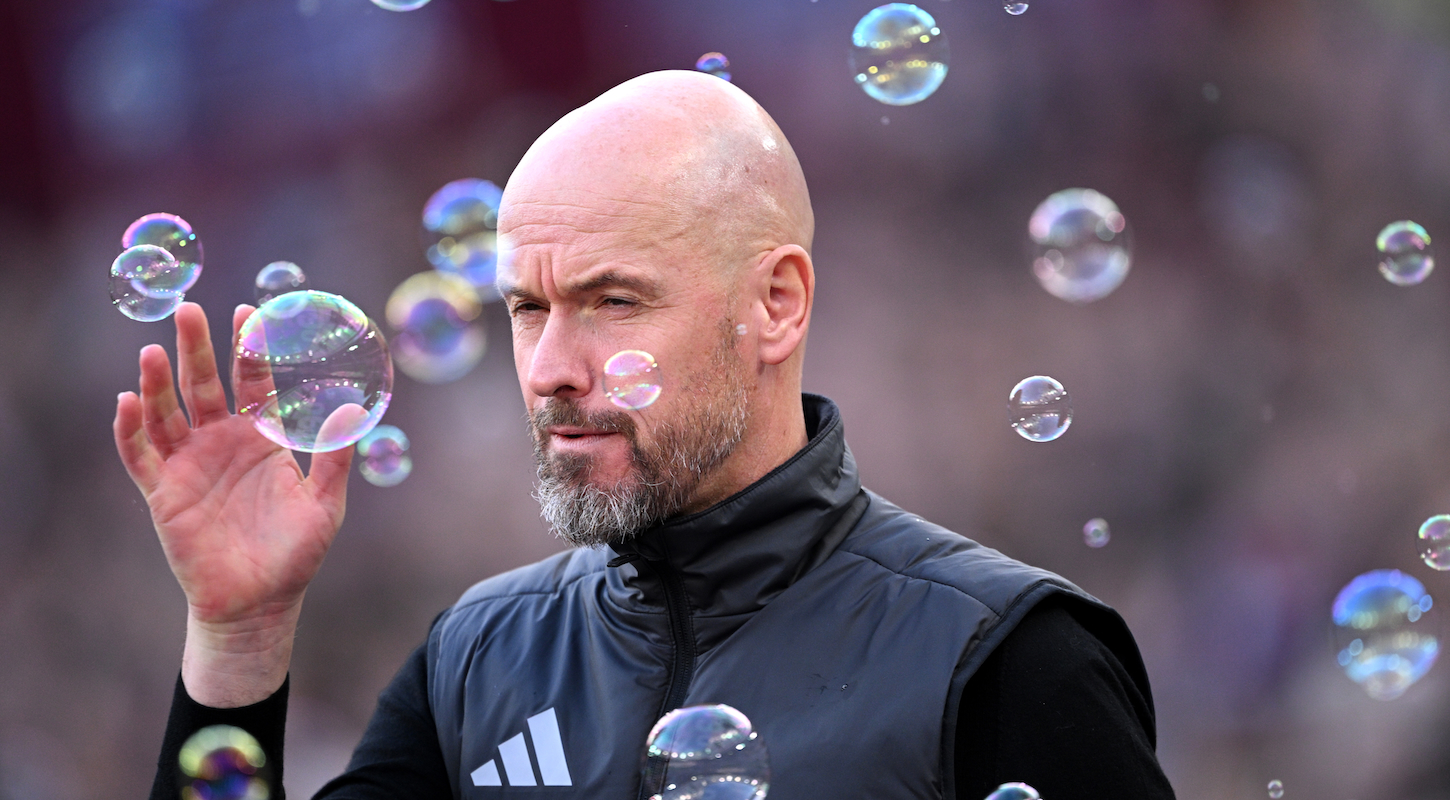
1259 415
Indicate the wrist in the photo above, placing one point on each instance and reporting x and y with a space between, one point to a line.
240 662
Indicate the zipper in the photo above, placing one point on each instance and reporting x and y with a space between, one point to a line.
682 669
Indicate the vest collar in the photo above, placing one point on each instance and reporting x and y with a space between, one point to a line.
737 555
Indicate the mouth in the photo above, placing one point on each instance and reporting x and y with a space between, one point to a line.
569 435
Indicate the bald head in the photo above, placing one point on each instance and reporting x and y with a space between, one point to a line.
680 158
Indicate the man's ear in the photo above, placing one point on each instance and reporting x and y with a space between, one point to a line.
788 289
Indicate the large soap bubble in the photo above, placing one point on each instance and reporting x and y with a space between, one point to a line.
1081 245
133 272
898 54
222 762
709 753
1384 643
632 379
460 230
174 235
385 459
313 371
1039 409
1406 257
438 337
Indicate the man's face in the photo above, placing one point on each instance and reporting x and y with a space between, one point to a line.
587 277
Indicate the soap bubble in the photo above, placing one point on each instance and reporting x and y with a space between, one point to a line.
279 277
303 358
1434 541
434 315
715 64
632 379
1095 532
400 5
1015 9
129 274
221 762
709 753
1383 643
1408 258
1014 791
460 230
1081 245
1039 409
1276 789
385 459
898 54
174 235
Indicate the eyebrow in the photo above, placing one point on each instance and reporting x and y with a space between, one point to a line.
605 280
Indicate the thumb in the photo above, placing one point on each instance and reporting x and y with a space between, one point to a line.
328 473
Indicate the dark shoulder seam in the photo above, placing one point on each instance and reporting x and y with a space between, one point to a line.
959 590
505 596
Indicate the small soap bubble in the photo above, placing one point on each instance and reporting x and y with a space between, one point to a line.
1434 541
709 752
1095 532
131 271
279 277
898 54
460 231
1406 255
1276 789
1039 409
313 371
400 5
221 762
174 235
1015 9
740 329
1081 247
632 379
1014 791
715 64
1384 644
385 459
438 338
1210 92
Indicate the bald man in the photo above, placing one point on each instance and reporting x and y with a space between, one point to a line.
724 549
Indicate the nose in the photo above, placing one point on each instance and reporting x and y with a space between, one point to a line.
559 365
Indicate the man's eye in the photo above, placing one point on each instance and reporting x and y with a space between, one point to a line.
525 307
617 301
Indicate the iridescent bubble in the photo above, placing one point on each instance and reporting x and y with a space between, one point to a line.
385 459
175 236
221 762
1276 789
708 753
460 230
1384 643
1014 791
1081 245
632 379
1095 532
400 5
130 273
1434 541
434 314
1039 409
898 54
279 277
1015 9
312 371
1407 257
714 63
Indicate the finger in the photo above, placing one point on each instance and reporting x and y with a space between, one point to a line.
140 458
160 415
328 474
239 316
201 387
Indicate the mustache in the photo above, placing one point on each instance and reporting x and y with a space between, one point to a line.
571 413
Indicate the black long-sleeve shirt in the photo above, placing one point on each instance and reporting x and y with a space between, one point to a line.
1051 707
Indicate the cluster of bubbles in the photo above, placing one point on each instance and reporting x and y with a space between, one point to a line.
221 762
313 372
1039 409
279 277
898 54
400 5
1276 789
439 338
1434 541
160 260
1014 791
1383 641
385 459
1081 245
709 752
632 379
714 64
1405 255
1095 533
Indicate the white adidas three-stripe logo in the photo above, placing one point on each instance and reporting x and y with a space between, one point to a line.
518 767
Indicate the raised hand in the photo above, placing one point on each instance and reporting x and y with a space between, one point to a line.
242 528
